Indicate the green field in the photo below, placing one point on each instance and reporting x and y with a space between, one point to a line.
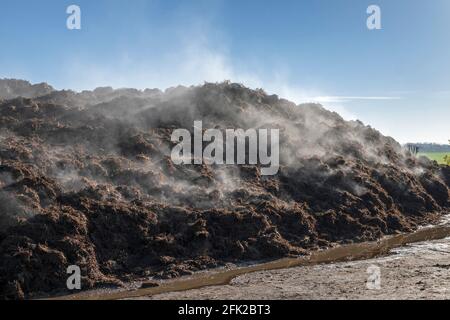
438 156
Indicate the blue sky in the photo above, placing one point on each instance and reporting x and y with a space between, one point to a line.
396 79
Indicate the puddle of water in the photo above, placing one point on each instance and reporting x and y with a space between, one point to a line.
352 252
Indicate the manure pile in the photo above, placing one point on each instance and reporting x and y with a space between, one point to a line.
87 179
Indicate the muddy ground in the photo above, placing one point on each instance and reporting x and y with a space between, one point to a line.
417 271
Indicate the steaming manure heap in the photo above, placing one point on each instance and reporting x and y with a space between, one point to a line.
87 179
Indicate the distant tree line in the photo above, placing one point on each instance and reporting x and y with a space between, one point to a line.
427 147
